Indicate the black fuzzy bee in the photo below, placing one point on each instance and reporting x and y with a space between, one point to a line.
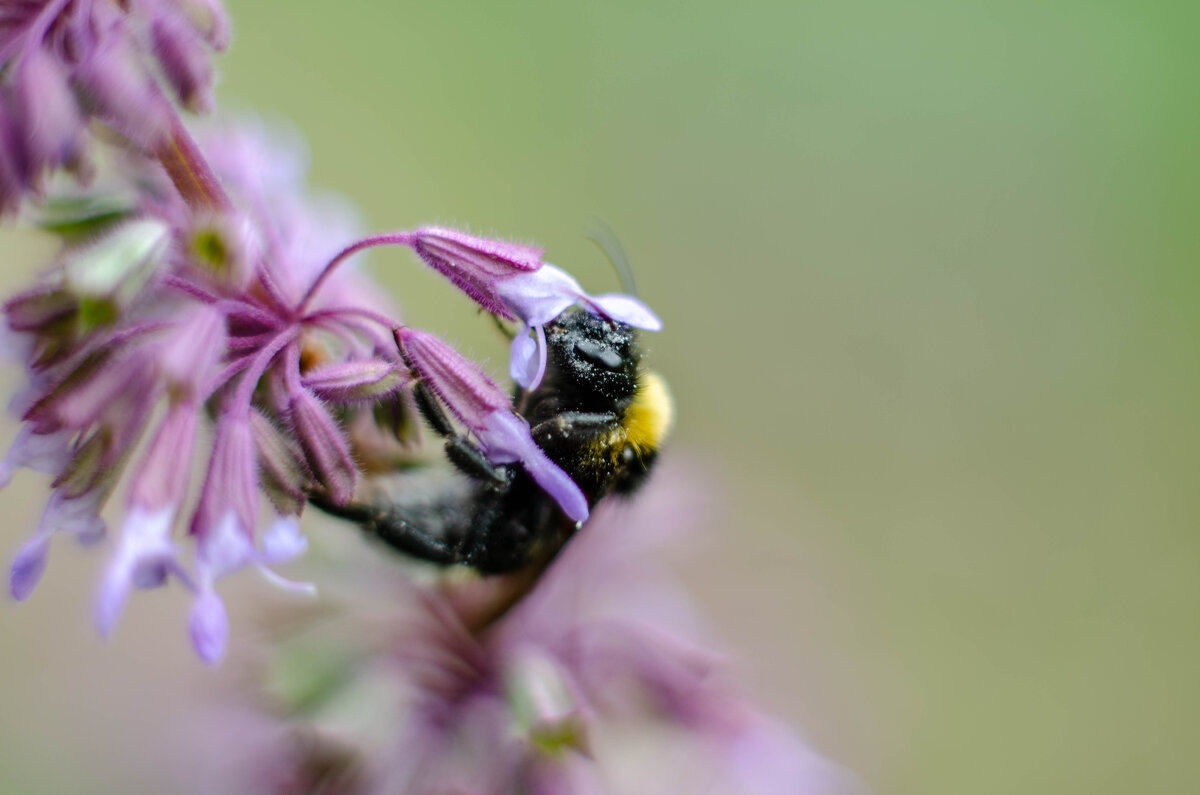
597 414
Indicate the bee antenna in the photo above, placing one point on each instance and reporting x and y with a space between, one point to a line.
603 236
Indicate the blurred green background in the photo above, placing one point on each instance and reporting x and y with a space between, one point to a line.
929 277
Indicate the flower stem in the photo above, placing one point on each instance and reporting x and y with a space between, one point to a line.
387 239
189 171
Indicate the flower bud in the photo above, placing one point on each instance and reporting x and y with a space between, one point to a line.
324 445
109 274
476 265
352 382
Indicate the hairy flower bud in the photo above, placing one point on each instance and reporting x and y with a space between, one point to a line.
479 404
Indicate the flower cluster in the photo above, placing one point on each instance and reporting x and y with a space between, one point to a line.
67 63
200 361
197 289
593 683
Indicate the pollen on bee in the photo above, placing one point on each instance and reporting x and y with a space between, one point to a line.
646 423
648 419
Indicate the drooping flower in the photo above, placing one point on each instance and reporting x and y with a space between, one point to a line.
479 404
513 283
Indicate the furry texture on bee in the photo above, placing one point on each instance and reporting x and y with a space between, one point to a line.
597 414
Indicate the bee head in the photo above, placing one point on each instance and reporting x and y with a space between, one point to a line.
595 358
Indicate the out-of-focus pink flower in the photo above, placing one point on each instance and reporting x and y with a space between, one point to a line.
560 695
64 63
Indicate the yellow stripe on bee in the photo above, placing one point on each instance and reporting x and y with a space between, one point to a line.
646 422
648 419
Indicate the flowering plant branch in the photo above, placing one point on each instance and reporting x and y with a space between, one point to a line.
201 316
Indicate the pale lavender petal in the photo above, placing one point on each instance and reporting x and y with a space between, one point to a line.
41 452
527 363
209 626
27 567
145 556
625 309
114 590
540 296
506 439
79 516
284 584
282 541
223 549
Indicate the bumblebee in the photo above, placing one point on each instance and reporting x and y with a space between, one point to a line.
597 414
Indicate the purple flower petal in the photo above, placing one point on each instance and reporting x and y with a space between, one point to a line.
282 542
209 626
539 297
163 475
50 115
506 439
527 363
41 452
145 555
115 86
27 567
114 590
190 354
231 483
223 548
184 62
626 309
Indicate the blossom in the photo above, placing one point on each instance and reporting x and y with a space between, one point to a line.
512 282
168 317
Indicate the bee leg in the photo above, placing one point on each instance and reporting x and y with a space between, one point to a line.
393 529
464 454
432 411
472 461
576 426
